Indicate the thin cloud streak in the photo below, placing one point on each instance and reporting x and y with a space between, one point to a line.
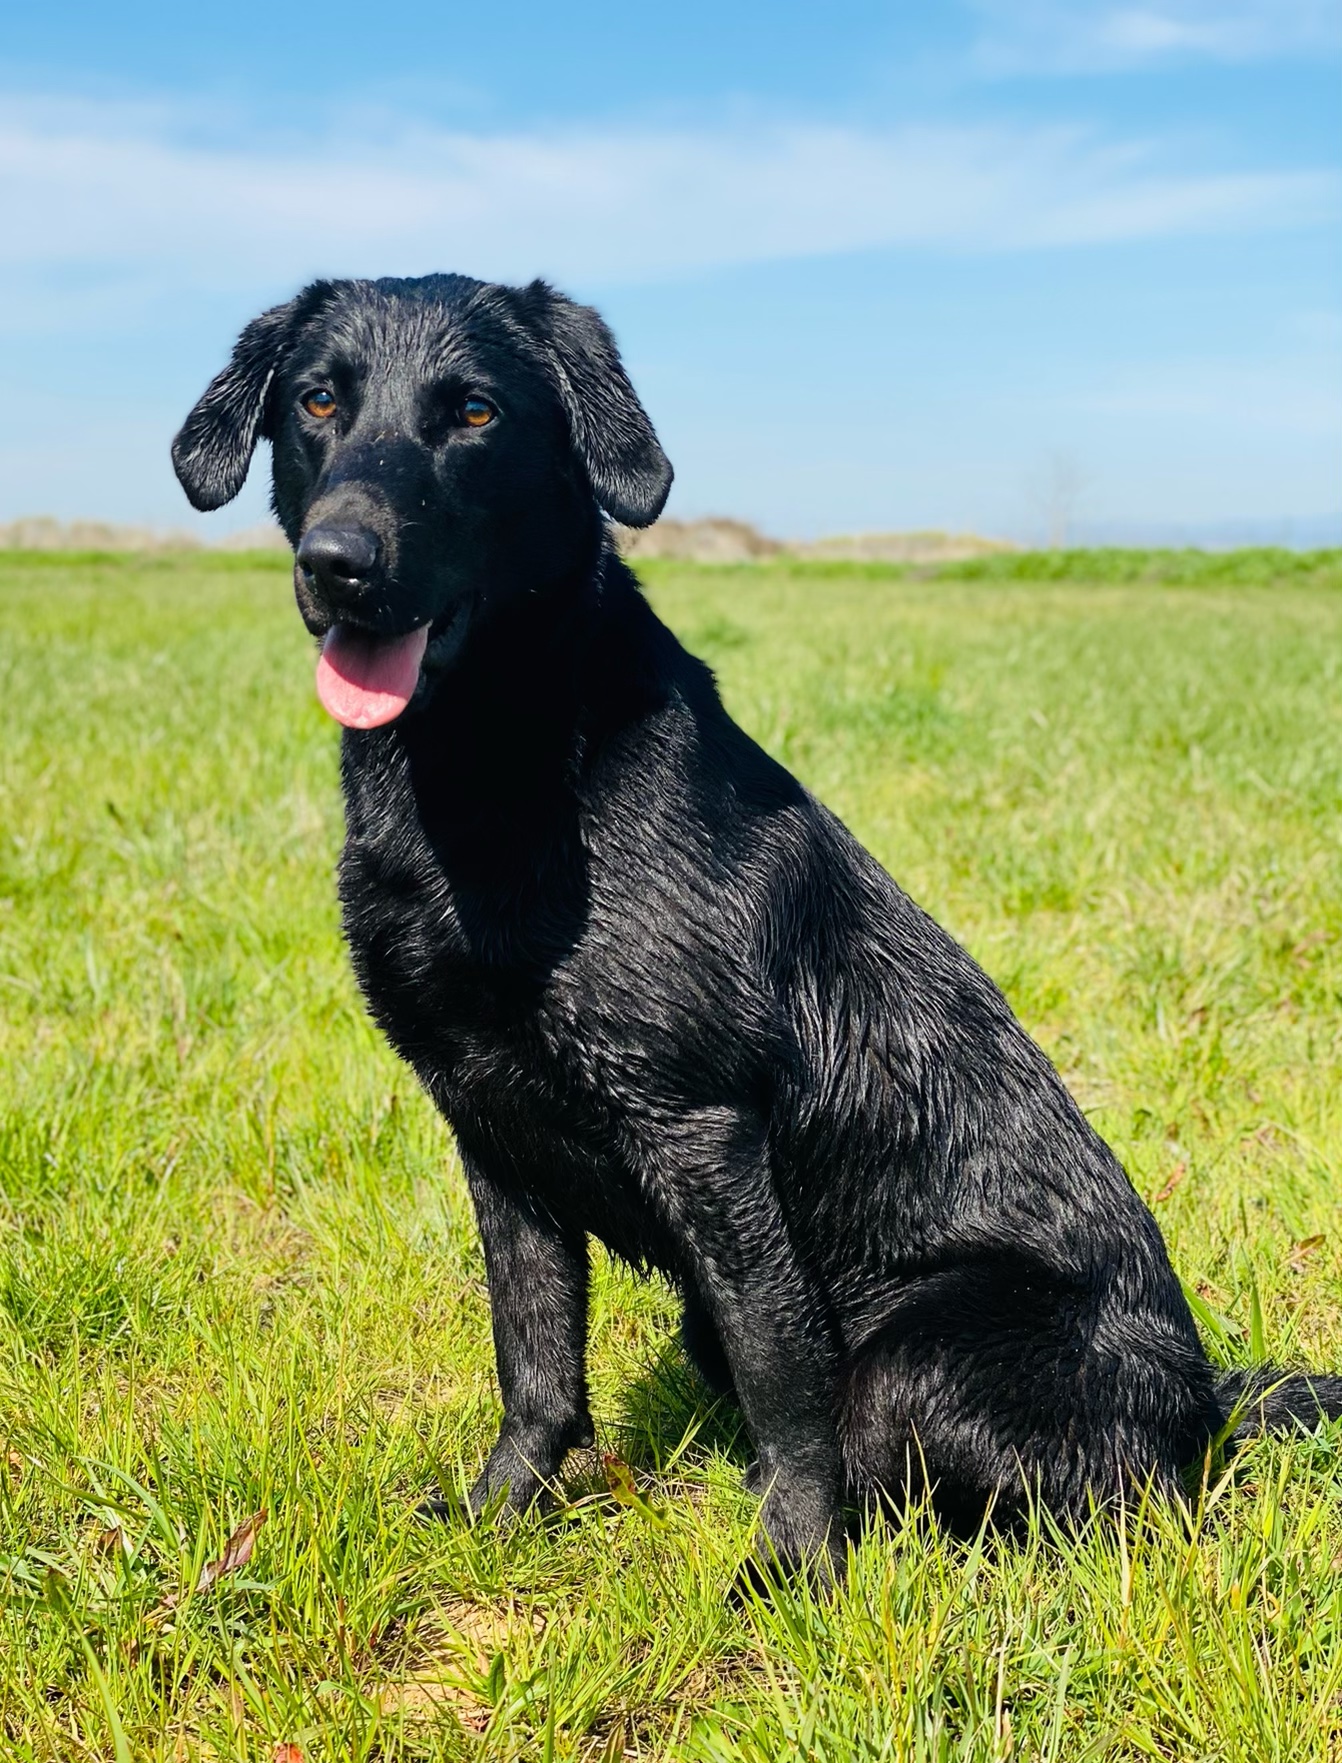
100 195
1070 36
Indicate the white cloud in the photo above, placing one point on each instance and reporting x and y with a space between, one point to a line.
1074 36
101 203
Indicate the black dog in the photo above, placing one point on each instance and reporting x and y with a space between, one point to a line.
659 992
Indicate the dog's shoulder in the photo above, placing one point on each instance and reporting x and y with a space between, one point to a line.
658 738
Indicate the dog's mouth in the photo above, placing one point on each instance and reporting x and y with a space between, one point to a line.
365 679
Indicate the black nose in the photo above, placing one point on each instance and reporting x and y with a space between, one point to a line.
338 556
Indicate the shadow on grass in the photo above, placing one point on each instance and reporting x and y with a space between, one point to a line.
670 1418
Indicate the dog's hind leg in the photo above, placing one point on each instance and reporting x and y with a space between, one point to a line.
995 1383
770 1319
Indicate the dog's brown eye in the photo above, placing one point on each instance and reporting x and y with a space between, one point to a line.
320 404
476 412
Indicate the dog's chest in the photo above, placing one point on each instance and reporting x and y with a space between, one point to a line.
490 998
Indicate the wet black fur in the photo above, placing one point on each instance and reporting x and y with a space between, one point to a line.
662 995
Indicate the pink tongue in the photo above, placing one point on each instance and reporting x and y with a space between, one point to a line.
363 680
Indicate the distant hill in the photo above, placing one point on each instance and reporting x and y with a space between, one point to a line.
716 540
39 532
720 540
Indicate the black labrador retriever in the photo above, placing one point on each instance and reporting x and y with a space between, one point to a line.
659 992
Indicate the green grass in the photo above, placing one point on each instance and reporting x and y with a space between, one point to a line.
238 1272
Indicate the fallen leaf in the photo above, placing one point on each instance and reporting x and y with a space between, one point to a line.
112 1541
285 1752
14 1464
620 1478
1300 1252
1172 1181
620 1481
237 1553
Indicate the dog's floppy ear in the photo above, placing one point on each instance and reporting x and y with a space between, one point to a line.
629 474
214 446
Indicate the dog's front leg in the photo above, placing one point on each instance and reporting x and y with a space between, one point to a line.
538 1299
770 1321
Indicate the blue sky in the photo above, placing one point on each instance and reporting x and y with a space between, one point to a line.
871 265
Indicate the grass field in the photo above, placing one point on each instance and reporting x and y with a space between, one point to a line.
238 1272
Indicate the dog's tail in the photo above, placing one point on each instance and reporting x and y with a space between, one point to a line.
1264 1399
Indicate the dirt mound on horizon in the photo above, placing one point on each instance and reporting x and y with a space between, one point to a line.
714 540
40 532
720 540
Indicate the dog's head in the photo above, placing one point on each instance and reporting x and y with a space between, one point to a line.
440 446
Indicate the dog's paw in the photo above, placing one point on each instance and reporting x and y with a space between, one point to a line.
763 1575
515 1478
752 1478
443 1508
801 1531
513 1490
